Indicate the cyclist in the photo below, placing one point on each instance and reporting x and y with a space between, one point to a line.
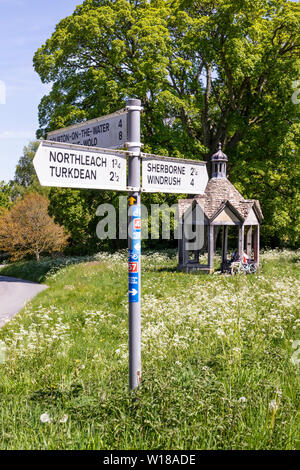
245 258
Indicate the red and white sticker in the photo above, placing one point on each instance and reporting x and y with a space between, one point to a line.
137 224
132 267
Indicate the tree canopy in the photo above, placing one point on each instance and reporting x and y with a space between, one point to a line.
205 71
25 180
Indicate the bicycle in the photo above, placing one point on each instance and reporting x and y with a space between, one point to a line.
246 268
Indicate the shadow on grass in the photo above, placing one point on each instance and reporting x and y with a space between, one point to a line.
159 269
32 270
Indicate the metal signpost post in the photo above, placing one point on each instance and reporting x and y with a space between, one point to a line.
134 243
72 158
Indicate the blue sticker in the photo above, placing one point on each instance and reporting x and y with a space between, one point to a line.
133 279
133 287
136 211
136 246
133 256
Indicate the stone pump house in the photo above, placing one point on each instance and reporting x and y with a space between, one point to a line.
211 214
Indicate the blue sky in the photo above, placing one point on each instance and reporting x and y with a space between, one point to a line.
24 27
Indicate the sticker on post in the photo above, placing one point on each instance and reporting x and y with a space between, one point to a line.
133 256
135 211
133 295
137 224
132 200
133 287
132 267
136 246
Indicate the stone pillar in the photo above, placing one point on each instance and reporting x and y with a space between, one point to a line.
256 244
241 241
249 241
211 247
224 243
217 229
184 250
180 245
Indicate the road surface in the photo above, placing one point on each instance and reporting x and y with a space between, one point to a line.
14 293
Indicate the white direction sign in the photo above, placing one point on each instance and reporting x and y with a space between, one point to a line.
108 131
173 175
75 166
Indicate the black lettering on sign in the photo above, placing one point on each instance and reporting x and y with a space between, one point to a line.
59 157
91 142
63 172
166 168
52 157
75 135
164 180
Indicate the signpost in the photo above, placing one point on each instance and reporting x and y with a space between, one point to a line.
76 166
72 158
173 175
107 131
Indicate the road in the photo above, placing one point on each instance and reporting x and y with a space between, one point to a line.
14 293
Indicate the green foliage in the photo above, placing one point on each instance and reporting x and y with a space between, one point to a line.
274 179
205 73
76 210
25 180
25 174
5 195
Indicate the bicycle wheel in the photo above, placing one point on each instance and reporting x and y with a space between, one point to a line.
253 268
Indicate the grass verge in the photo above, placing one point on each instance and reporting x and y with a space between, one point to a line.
219 369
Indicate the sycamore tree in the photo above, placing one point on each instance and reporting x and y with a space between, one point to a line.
205 71
25 180
27 229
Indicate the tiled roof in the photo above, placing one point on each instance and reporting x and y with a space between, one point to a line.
217 192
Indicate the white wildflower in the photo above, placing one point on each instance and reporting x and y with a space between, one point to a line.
273 406
45 418
64 419
242 400
220 332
